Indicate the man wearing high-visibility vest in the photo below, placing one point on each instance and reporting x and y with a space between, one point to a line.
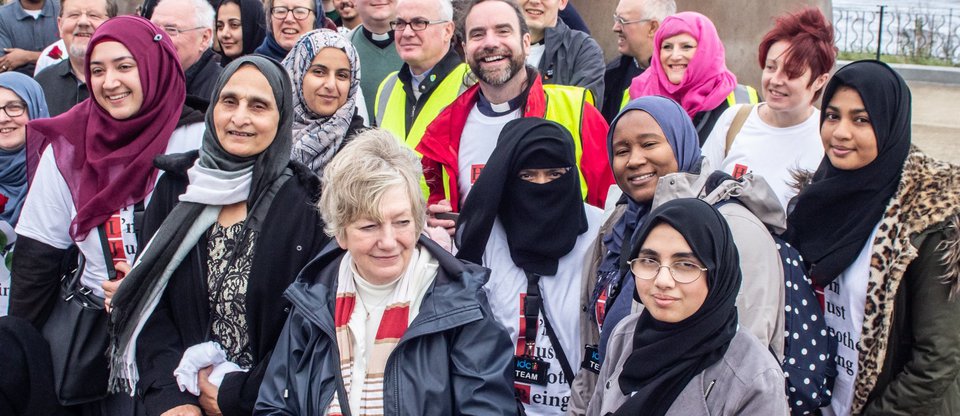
635 22
458 143
432 75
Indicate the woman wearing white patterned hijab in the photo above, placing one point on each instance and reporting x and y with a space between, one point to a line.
325 71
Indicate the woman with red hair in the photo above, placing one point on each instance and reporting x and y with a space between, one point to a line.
777 137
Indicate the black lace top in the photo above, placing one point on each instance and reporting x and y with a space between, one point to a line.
228 271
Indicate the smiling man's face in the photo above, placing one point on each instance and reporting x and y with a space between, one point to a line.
77 22
541 14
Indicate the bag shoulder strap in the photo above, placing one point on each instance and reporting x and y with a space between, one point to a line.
561 356
532 307
108 258
743 111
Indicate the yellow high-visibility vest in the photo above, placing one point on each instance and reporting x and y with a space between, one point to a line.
564 105
390 106
742 94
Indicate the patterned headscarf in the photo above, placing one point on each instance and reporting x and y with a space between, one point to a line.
317 138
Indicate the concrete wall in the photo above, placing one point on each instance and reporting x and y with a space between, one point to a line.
741 24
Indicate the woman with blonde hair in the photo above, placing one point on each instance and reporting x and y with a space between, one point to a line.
386 318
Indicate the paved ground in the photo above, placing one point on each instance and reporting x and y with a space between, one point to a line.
936 119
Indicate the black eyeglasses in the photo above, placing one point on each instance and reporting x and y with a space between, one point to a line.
416 24
299 13
624 22
682 271
15 109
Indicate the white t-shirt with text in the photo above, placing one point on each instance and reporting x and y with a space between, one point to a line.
768 151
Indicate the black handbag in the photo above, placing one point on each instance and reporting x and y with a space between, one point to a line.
77 333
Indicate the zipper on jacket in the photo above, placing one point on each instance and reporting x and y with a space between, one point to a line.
392 363
709 389
341 386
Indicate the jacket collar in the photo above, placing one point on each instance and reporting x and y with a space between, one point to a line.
554 37
454 290
752 191
442 139
435 75
48 10
205 59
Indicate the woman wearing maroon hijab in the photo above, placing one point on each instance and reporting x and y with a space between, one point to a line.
91 168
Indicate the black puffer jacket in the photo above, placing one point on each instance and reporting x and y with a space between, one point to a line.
455 358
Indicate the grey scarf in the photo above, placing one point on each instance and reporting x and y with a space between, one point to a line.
211 178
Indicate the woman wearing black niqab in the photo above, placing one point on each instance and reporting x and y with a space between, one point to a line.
525 220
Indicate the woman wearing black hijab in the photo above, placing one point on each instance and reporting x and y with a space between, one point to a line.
241 27
198 316
525 220
683 354
877 227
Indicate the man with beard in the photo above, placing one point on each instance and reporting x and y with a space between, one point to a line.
635 22
562 55
64 83
458 143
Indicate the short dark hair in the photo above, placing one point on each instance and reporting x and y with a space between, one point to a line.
112 9
463 11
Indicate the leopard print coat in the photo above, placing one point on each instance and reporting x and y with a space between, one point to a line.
928 196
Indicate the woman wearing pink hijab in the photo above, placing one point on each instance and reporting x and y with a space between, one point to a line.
692 71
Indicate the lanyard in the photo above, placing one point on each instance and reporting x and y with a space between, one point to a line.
532 303
532 307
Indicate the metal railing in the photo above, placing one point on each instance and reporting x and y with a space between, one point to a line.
918 33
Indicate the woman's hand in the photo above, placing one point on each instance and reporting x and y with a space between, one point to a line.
208 392
184 410
110 286
441 207
440 236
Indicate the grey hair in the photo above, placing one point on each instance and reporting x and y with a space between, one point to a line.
356 179
658 9
446 9
204 14
206 17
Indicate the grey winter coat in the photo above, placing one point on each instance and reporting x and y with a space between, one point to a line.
454 358
746 381
572 57
761 297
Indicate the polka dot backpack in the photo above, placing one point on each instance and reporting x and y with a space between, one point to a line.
808 351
